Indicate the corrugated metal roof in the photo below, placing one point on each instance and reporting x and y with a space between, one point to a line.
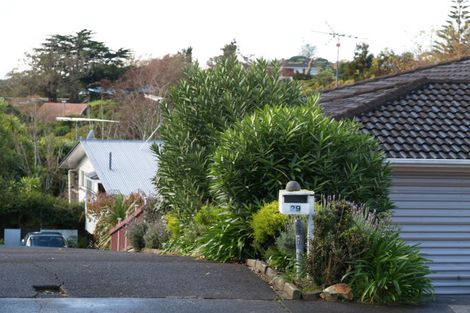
133 164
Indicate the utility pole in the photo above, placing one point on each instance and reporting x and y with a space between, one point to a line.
337 36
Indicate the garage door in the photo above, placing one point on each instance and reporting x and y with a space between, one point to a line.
433 210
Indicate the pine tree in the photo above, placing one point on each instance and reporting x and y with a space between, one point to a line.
454 37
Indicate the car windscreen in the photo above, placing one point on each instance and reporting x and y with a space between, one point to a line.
47 241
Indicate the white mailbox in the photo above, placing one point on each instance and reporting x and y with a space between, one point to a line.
296 202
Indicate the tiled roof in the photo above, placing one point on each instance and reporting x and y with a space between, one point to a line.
422 114
50 110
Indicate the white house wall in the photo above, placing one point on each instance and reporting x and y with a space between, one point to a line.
85 166
433 211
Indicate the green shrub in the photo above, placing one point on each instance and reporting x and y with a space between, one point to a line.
267 223
260 153
390 272
229 239
136 233
35 209
208 215
336 242
205 103
174 225
281 260
184 235
285 242
72 242
156 235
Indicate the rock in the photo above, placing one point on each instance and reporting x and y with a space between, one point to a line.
334 292
261 266
279 283
271 273
251 262
292 291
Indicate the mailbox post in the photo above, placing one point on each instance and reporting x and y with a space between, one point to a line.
296 201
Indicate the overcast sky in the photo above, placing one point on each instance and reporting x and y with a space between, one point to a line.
270 29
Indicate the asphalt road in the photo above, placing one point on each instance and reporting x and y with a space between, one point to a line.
104 281
96 274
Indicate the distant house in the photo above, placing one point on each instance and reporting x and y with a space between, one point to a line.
422 121
300 64
109 166
49 111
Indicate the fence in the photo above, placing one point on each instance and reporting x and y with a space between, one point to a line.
119 241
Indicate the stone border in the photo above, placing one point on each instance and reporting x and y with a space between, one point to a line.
286 290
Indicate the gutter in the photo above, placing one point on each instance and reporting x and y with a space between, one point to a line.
430 164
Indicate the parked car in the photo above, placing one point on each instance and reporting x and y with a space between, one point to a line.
45 239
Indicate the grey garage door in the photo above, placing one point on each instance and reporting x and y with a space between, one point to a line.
433 210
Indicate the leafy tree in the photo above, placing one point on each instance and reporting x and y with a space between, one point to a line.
308 51
65 64
359 67
138 115
198 109
228 51
454 36
388 62
15 146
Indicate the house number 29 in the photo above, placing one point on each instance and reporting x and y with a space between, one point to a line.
295 208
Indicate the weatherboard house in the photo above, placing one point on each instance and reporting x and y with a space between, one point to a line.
422 121
109 166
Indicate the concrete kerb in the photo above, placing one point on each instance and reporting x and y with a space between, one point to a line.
154 251
285 289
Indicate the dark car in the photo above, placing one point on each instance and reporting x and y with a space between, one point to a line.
45 239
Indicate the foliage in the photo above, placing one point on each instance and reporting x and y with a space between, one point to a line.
281 260
188 240
187 231
259 154
281 255
336 243
65 64
208 215
138 115
267 223
324 79
16 156
23 205
108 210
156 234
202 105
454 37
229 50
359 68
390 271
174 225
136 234
227 240
388 62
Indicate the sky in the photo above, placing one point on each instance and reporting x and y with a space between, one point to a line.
268 29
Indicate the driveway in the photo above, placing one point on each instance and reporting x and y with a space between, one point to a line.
79 280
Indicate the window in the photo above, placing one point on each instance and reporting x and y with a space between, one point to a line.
89 185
